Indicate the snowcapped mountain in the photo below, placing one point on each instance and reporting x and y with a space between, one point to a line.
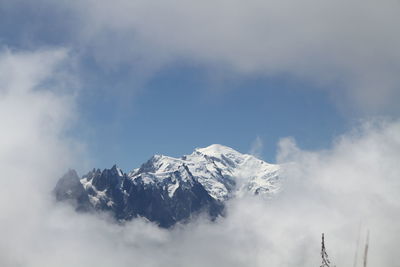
167 190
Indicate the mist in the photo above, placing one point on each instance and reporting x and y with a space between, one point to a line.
341 191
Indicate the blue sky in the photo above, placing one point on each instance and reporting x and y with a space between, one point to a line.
174 76
181 108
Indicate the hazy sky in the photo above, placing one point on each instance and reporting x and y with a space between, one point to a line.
168 76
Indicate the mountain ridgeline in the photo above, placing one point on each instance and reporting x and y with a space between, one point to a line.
167 190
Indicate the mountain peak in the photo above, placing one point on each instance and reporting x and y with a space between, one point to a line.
71 173
116 170
216 150
168 190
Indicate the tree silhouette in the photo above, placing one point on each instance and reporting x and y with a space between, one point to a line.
366 250
324 255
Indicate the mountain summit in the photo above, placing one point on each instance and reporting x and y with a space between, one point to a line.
167 190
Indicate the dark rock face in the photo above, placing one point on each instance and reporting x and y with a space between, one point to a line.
111 190
69 188
167 190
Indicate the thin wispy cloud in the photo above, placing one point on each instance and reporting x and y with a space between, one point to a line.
256 147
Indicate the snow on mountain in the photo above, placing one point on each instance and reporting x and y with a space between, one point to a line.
167 190
223 171
98 183
249 173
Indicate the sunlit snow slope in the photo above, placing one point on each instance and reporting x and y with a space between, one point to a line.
167 190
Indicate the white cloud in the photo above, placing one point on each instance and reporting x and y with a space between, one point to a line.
32 145
351 47
32 117
327 191
256 147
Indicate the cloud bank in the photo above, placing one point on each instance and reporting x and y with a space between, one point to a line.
332 191
351 48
